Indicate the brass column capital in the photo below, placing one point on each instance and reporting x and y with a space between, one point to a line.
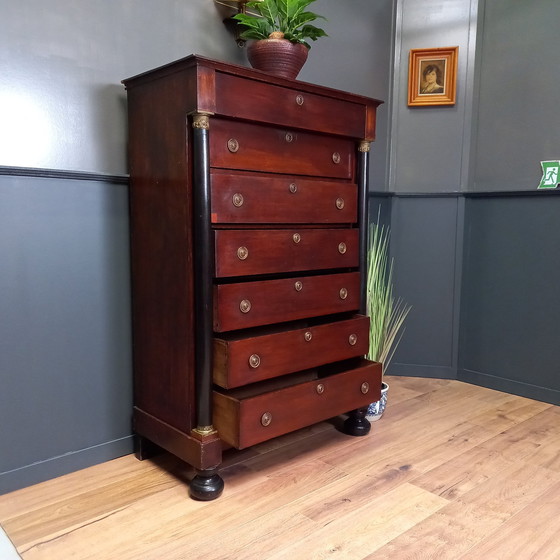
364 146
201 120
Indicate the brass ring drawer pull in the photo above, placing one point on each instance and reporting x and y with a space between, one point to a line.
340 203
254 361
266 419
289 137
320 389
336 157
298 286
232 145
293 188
242 253
365 387
342 248
296 237
300 99
343 293
245 306
237 200
308 336
352 339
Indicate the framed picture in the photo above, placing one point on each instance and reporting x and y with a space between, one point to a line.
432 76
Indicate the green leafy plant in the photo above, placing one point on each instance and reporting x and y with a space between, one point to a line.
280 19
387 314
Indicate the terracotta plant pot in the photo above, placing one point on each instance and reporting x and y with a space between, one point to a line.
279 57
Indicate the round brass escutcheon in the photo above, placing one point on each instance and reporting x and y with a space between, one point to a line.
232 145
296 237
289 137
299 99
336 157
343 293
320 389
340 203
293 188
237 200
342 248
365 387
298 286
254 361
308 336
352 339
266 419
242 253
245 306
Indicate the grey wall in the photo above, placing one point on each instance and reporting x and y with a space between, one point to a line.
477 267
65 363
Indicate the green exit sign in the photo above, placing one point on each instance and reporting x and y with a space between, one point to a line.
550 175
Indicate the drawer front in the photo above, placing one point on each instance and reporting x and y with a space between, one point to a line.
237 145
251 304
242 361
259 199
288 107
246 252
245 422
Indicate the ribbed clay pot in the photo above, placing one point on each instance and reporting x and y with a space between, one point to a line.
278 57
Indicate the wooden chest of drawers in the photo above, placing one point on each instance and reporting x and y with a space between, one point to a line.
248 233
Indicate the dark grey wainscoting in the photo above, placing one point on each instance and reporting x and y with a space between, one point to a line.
65 342
481 272
510 308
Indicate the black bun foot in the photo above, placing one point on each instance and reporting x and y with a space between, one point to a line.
357 424
206 485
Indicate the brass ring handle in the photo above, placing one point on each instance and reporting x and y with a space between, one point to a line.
320 389
300 99
298 286
254 361
242 253
340 203
245 306
289 137
336 157
352 339
343 293
293 188
342 248
232 145
365 387
296 237
308 336
266 419
237 200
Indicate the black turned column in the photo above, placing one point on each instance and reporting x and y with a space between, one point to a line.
207 484
357 424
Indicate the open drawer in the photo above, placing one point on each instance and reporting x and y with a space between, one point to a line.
253 414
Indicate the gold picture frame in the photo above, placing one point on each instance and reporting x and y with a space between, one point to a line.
432 76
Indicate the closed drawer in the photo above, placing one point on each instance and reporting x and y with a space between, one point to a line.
237 145
241 198
251 304
243 419
289 107
245 252
240 361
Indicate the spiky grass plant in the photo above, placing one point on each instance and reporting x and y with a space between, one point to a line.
280 19
387 314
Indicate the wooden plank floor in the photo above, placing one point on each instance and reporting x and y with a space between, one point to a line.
451 471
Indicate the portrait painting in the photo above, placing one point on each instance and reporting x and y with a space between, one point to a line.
432 78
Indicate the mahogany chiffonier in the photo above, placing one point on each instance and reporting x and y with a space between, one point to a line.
248 240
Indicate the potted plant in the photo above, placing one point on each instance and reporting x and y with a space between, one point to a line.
280 30
387 314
